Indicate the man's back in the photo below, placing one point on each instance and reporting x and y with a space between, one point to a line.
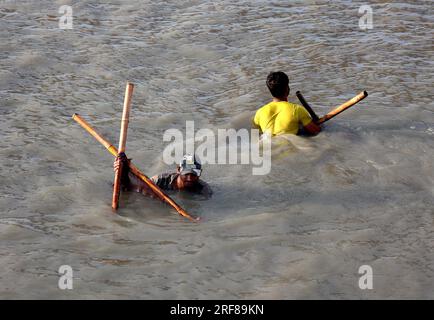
281 117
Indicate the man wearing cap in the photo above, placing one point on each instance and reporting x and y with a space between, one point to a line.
185 178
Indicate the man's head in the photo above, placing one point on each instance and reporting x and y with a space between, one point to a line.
189 170
278 84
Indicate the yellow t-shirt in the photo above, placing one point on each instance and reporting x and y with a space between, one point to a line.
281 117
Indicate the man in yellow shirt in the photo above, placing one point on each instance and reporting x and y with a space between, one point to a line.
280 116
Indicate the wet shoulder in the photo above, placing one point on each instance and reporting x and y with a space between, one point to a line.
281 106
291 108
165 180
268 106
205 189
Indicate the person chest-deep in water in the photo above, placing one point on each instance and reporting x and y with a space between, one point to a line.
185 179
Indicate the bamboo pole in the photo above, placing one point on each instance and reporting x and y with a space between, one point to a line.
362 95
122 143
112 149
300 97
161 194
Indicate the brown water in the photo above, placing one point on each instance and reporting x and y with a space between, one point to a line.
359 193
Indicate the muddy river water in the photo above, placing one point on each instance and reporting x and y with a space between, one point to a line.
359 193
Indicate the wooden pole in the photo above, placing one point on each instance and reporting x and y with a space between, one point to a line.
161 194
122 143
362 95
300 97
112 149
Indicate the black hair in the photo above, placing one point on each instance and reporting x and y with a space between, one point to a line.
277 82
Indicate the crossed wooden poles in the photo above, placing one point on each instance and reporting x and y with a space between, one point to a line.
121 150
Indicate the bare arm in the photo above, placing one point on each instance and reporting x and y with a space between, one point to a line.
312 128
125 180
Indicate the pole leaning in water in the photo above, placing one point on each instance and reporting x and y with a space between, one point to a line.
122 143
300 97
362 95
112 149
